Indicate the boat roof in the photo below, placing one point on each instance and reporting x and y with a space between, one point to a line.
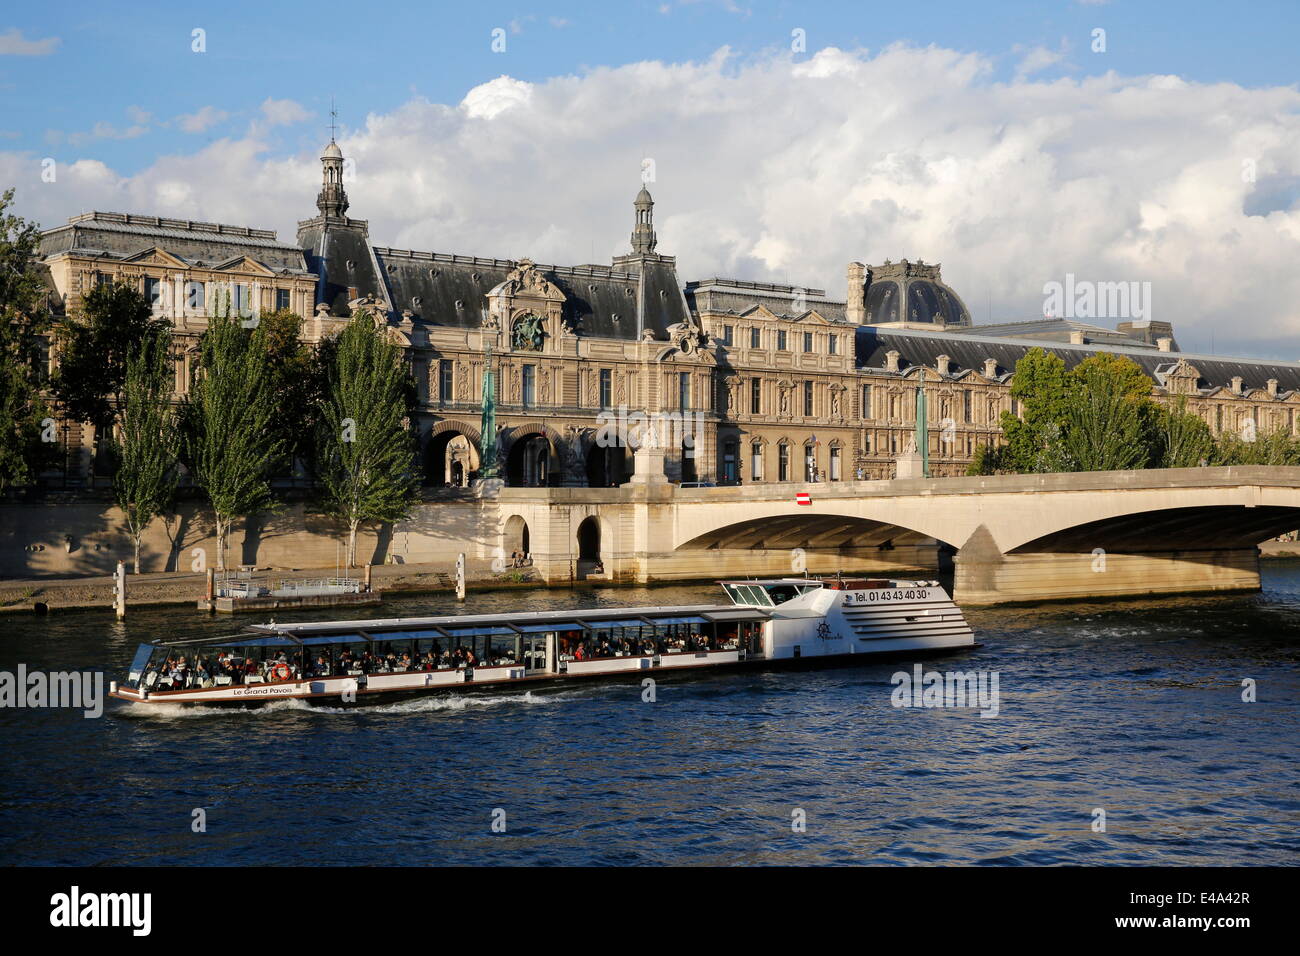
460 625
809 581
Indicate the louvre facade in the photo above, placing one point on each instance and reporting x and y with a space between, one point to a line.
779 382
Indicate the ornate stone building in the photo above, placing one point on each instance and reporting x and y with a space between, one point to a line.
778 383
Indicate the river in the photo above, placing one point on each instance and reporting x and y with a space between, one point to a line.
1133 708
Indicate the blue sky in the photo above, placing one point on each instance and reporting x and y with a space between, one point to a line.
988 136
107 60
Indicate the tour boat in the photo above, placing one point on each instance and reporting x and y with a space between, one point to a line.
768 623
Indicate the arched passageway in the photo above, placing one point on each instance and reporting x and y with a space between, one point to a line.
529 464
450 460
607 467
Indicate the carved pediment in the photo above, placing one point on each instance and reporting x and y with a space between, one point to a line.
526 280
157 256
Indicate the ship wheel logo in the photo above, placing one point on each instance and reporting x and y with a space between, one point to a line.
824 631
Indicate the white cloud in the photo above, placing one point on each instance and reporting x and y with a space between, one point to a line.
13 43
283 112
202 120
489 100
771 170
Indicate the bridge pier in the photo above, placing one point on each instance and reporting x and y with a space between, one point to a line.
981 578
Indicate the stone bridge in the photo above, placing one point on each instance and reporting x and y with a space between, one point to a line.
1009 538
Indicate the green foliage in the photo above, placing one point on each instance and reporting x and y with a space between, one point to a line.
233 423
1105 425
93 349
988 460
144 483
296 382
22 318
1180 439
365 450
1277 447
1041 386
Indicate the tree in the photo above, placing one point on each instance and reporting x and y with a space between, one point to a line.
24 416
1040 385
988 460
1276 447
1108 409
1181 439
365 451
295 383
231 420
144 483
93 348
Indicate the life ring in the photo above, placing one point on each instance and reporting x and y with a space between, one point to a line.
281 671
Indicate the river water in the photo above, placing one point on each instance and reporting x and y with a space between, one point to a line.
1134 709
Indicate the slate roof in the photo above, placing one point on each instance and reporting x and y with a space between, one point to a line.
1058 329
736 296
121 235
445 289
968 351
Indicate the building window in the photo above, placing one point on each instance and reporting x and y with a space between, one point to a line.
866 401
530 385
726 335
1015 408
281 300
684 390
810 462
893 407
834 343
807 399
195 296
444 380
241 300
966 407
102 279
729 462
756 461
1218 418
755 338
835 464
755 396
783 462
153 292
807 342
606 381
780 340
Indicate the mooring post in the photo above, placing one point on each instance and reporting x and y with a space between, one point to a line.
367 576
460 576
119 589
212 587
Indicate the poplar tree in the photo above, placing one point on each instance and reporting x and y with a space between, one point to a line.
231 417
23 413
365 450
147 445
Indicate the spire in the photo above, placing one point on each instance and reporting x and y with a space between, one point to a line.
643 234
332 201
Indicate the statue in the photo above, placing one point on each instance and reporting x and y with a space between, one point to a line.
528 333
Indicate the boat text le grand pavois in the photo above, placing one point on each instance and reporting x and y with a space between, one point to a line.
768 622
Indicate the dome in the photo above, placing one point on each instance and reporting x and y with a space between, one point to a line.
643 197
914 294
332 151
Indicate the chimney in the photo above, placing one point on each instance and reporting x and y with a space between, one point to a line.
1236 385
891 360
990 368
1076 338
943 364
1165 343
856 308
1272 387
